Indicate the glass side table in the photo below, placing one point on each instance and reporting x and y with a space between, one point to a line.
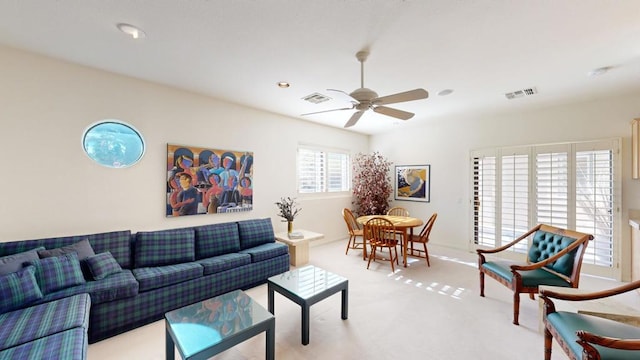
209 327
306 286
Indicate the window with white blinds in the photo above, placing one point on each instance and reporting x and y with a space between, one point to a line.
322 171
515 199
484 193
595 204
570 185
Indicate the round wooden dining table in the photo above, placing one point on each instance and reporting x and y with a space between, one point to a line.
402 223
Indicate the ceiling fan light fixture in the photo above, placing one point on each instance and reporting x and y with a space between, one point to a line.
133 31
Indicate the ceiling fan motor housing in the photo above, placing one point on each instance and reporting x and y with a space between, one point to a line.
365 97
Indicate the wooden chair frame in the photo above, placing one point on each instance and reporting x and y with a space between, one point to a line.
398 211
381 233
422 238
354 230
586 339
580 243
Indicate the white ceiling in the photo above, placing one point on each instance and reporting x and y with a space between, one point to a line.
236 50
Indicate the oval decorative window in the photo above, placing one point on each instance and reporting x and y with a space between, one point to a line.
113 144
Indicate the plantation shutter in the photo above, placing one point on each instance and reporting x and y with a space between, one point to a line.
321 170
514 212
552 187
595 202
311 167
338 168
484 200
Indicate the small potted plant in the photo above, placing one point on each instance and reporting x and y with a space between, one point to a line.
288 211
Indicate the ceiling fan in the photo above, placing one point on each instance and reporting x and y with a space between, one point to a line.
364 99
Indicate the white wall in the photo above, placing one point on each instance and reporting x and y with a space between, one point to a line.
446 143
51 188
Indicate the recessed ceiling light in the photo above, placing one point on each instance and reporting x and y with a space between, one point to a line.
599 71
132 31
283 84
445 92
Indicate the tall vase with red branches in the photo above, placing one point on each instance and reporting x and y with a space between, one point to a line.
372 186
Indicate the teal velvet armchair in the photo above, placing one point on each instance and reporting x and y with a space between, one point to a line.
588 337
554 258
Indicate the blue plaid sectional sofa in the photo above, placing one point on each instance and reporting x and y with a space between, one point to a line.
63 293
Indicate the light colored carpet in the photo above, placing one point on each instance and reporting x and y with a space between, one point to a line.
414 313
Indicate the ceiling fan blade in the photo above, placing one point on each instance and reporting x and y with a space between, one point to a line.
415 94
345 96
354 119
398 114
324 111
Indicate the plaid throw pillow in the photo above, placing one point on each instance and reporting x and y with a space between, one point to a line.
58 272
102 265
255 232
18 289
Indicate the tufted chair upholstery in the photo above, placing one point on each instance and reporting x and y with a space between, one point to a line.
554 258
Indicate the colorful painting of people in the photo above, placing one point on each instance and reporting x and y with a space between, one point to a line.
208 181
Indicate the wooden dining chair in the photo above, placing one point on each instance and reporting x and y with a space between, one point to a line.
355 231
380 233
398 211
422 238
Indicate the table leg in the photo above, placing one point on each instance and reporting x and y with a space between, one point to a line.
270 302
305 325
405 242
169 347
345 303
271 341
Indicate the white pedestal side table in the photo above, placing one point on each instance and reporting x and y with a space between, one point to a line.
298 248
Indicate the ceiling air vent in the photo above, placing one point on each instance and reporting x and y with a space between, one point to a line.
316 98
521 93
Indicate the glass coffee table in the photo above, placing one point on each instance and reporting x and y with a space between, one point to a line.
306 286
209 327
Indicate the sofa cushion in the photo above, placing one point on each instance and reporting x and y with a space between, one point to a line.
12 263
217 239
18 289
266 251
83 248
102 265
224 262
114 287
22 326
545 245
58 272
164 247
255 232
161 276
69 345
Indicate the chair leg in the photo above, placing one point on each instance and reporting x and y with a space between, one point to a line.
351 237
426 254
481 283
391 259
531 296
516 307
547 344
372 254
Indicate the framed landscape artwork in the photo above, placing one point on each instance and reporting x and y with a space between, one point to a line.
413 182
208 181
